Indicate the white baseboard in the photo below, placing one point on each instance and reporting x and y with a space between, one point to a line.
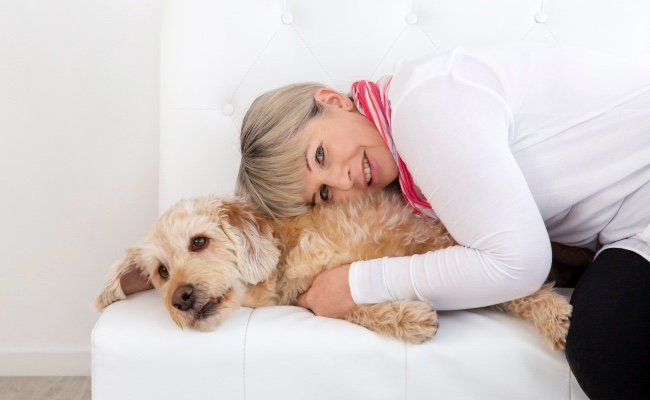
55 361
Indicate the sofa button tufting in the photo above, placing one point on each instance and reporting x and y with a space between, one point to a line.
287 18
228 110
541 17
411 19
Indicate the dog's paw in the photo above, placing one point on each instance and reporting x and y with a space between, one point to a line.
416 321
409 321
557 326
547 310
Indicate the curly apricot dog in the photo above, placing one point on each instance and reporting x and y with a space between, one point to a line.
210 255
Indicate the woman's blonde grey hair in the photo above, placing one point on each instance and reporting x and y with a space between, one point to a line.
273 151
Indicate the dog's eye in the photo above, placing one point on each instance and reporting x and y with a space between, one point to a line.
163 272
198 243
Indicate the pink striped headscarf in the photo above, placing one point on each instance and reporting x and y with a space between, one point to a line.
371 100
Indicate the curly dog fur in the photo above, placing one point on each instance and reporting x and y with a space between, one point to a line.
210 255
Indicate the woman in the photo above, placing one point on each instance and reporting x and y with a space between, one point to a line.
510 145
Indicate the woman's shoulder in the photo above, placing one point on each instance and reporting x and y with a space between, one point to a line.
485 64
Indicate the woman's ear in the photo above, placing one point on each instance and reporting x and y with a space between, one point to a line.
334 98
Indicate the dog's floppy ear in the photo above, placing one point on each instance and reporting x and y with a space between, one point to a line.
125 278
257 253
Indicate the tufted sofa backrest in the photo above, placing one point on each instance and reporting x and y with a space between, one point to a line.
219 55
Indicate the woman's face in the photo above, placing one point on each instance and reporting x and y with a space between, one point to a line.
346 156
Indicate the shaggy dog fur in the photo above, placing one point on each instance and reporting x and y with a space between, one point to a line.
210 255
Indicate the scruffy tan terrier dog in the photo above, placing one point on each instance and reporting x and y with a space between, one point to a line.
210 255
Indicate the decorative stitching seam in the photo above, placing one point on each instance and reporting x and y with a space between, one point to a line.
543 8
234 93
428 37
386 52
406 371
311 53
244 353
552 34
529 31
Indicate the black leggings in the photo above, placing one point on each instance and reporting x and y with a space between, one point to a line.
608 345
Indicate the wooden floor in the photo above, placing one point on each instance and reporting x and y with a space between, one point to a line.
45 388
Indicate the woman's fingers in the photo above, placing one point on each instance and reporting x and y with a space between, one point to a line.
329 295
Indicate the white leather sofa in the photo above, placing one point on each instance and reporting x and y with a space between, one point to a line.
216 57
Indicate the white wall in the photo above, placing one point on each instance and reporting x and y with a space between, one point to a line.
79 109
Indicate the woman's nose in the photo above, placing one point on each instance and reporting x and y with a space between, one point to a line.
342 179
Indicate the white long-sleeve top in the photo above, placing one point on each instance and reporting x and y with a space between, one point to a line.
514 144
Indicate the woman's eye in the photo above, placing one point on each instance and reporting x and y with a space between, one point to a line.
320 154
324 192
162 271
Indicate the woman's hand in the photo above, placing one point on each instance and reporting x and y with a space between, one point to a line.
329 295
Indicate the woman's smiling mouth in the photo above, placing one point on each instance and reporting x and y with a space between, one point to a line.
366 170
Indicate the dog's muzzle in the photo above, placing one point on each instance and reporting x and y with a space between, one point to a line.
187 299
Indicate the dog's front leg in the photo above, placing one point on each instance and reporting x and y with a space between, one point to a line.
547 310
409 321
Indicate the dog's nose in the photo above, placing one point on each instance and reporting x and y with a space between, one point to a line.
183 298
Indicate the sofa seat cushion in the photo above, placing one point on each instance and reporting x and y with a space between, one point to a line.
286 352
